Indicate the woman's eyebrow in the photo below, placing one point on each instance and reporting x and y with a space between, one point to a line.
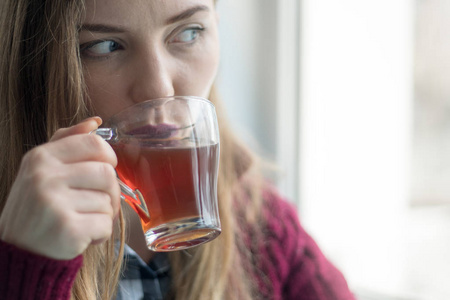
102 28
187 13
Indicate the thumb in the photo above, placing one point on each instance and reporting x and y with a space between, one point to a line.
84 126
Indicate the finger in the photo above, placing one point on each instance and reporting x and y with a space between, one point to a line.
92 202
82 147
92 175
95 176
99 227
85 126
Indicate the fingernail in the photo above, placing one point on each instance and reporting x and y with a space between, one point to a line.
96 119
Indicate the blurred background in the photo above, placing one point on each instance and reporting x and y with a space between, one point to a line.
351 100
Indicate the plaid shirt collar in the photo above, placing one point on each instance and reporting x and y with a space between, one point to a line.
142 281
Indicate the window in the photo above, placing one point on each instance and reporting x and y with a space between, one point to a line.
362 159
339 94
431 138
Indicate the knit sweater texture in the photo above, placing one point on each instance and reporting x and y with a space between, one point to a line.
291 265
291 260
26 276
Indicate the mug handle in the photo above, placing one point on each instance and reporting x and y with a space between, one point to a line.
134 198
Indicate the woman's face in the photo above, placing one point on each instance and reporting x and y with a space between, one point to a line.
144 49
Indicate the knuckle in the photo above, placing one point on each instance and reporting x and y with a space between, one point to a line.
108 172
39 174
38 179
59 132
95 143
70 227
103 229
111 185
107 208
108 226
117 191
102 149
113 157
35 156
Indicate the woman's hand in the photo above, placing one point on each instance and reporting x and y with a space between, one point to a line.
65 196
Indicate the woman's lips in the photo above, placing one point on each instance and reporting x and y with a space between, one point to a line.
160 131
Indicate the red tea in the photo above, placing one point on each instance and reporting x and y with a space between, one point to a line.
176 183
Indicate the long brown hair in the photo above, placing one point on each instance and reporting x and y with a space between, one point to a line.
41 90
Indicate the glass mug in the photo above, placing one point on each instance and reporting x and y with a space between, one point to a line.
168 156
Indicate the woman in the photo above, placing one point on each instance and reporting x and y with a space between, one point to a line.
60 223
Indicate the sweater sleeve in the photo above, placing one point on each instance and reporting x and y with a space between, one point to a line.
296 266
27 276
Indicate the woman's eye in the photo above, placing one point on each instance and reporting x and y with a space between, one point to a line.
100 48
188 35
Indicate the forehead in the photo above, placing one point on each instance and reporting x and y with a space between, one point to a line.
135 11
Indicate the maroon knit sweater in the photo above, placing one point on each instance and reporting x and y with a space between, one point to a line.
292 266
291 260
24 275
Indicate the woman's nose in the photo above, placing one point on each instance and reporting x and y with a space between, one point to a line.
153 76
